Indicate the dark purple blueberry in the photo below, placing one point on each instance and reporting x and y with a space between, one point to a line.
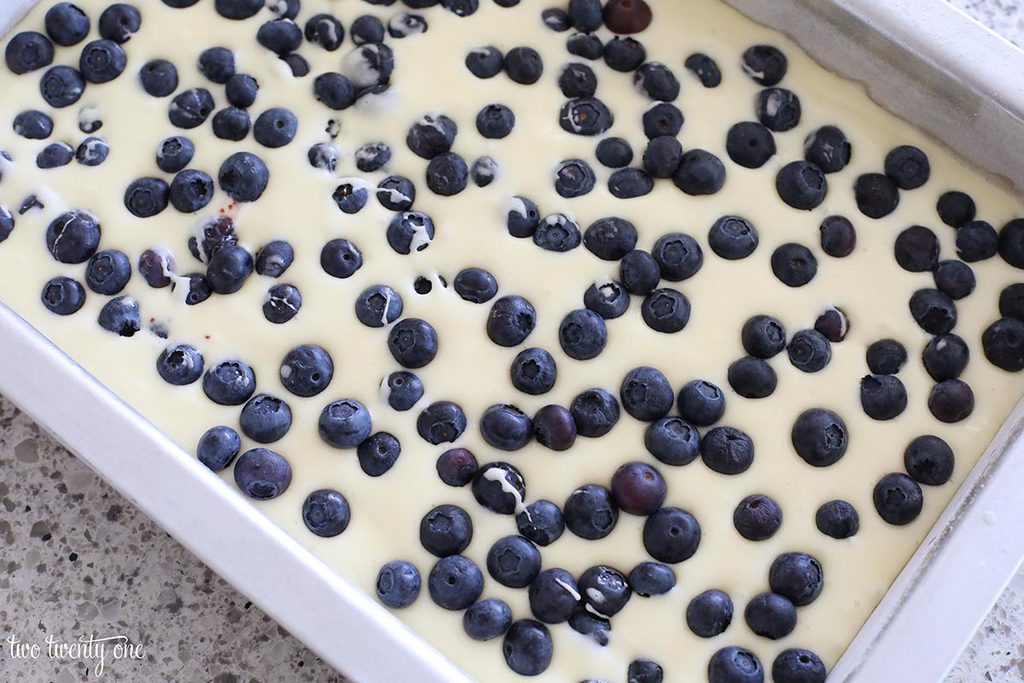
585 45
174 154
372 156
398 584
627 16
951 400
191 190
837 236
61 86
554 427
28 51
92 151
524 65
614 152
750 144
876 194
934 311
280 36
553 596
908 167
956 208
505 427
646 394
499 487
595 412
557 232
73 236
727 450
945 357
482 62
898 499
883 397
326 31
410 231
447 174
652 578
146 197
645 671
765 64
582 334
639 272
954 278
763 336
378 306
733 238
1003 344
678 255
487 619
577 80
709 613
704 68
809 351
64 296
527 647
976 241
475 285
33 125
66 24
605 591
608 299
671 535
556 19
778 109
334 90
590 512
238 10
657 81
413 343
886 357
757 517
511 320
102 61
595 628
833 324
820 437
281 304
798 666
455 582
611 238
217 64
325 513
344 423
629 183
404 390
262 473
121 316
794 264
55 155
340 258
672 441
699 173
108 272
929 460
638 489
158 77
243 176
624 54
701 403
513 561
378 453
180 364
484 171
441 422
837 519
275 127
586 15
541 521
265 418
797 577
662 119
802 185
533 371
218 447
735 665
351 195
752 377
229 382
828 149
770 615
456 467
228 269
917 249
446 530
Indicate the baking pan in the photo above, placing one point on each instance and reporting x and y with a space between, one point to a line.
921 59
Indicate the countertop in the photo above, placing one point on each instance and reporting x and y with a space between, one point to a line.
76 558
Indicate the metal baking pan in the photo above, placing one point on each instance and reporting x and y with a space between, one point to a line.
921 59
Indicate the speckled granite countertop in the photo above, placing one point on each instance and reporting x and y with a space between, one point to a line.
77 558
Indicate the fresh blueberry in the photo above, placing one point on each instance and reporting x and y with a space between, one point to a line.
334 90
513 561
553 596
326 31
121 316
709 613
541 522
608 299
951 400
757 517
833 324
180 364
765 64
73 236
398 584
262 473
447 174
533 371
369 65
159 78
956 208
797 577
410 231
652 578
351 195
487 619
735 665
455 582
174 154
378 306
323 155
265 418
66 24
639 272
605 591
340 258
750 144
671 535
666 310
585 45
638 489
199 290
191 190
28 51
1003 344
701 403
624 54
577 80
432 134
573 178
727 450
908 167
595 628
274 258
413 343
1011 243
802 185
876 194
215 235
898 499
237 9
499 487
396 193
778 109
483 62
699 173
582 334
404 390
770 615
456 467
527 647
917 249
705 69
886 357
522 217
33 125
63 296
752 377
662 156
511 320
92 152
798 666
275 127
524 65
306 370
344 423
556 19
506 427
55 155
837 519
586 15
280 36
218 447
954 278
976 241
217 64
662 119
557 232
595 412
883 397
837 236
405 24
108 272
672 440
629 183
229 382
441 422
102 61
243 176
809 351
484 171
325 513
495 121
934 311
820 437
372 156
646 394
228 269
61 86
590 512
475 285
282 303
763 336
929 460
447 530
156 266
614 152
945 357
828 149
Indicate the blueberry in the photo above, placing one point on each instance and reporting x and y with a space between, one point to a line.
662 119
945 357
908 167
590 512
228 269
701 403
898 499
229 382
506 427
334 90
243 176
553 596
447 530
605 591
398 584
455 582
413 343
92 152
770 615
556 19
265 418
217 64
487 619
484 62
280 36
324 156
629 183
595 628
797 577
883 397
577 80
475 285
495 121
624 54
404 390
456 467
798 666
156 266
533 371
275 127
274 258
33 125
778 109
191 190
582 334
699 173
733 238
809 351
929 460
735 665
345 423
378 306
646 394
876 194
159 78
595 412
61 86
218 447
752 377
608 299
802 185
951 400
238 9
484 171
820 437
1003 344
833 324
652 578
586 15
522 217
66 24
340 258
638 489
326 31
750 144
102 61
369 65
828 149
837 519
63 296
513 561
657 81
917 249
727 450
306 370
28 51
1011 243
956 208
614 152
541 522
447 174
325 513
573 178
705 69
644 671
671 535
709 613
976 241
441 422
511 320
372 156
524 65
108 272
55 155
282 303
174 154
499 487
662 156
763 336
954 278
73 236
527 647
262 473
410 231
557 233
180 364
666 310
837 236
886 357
765 64
639 272
933 311
757 517
351 195
406 24
585 45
